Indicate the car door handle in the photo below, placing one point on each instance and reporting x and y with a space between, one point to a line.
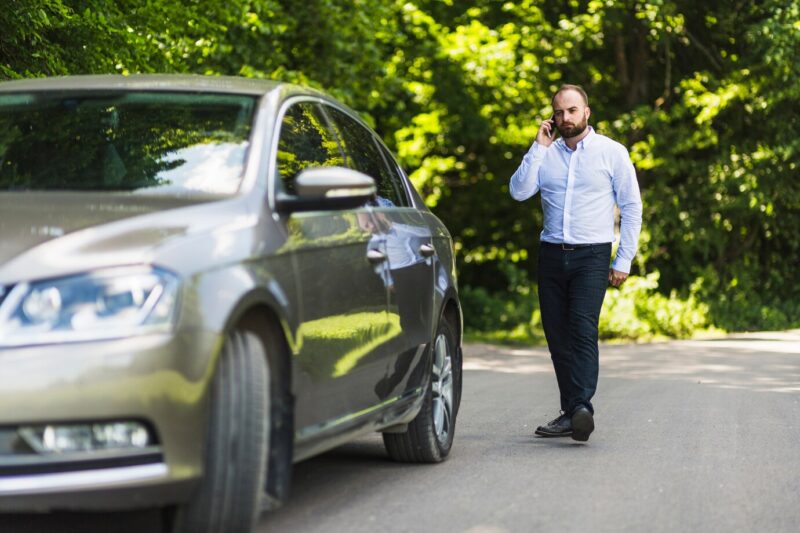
375 256
427 250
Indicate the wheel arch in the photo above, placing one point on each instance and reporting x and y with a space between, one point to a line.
451 309
453 312
255 309
261 319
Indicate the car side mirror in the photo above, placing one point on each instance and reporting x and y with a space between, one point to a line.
328 188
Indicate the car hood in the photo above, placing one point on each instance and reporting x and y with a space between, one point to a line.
50 234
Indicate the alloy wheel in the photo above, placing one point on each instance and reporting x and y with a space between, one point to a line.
442 384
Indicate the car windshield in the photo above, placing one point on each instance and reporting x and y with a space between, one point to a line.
143 142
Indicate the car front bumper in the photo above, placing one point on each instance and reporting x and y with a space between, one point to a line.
161 381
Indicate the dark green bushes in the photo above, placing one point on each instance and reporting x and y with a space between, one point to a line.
702 93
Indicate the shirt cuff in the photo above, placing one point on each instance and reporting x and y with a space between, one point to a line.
621 265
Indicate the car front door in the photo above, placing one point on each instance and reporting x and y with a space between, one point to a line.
342 291
407 241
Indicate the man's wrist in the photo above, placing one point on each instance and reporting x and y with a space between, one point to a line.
621 265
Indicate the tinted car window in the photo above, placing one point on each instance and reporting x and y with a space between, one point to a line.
306 140
364 155
145 142
395 176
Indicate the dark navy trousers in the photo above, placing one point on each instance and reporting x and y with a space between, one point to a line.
572 285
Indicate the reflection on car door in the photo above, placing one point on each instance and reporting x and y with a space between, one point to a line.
408 273
342 297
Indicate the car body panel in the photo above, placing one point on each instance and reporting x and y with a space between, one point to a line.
48 235
409 277
344 324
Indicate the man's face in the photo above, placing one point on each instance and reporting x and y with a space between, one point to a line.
366 223
571 113
375 223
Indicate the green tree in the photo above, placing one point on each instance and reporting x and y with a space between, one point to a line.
702 93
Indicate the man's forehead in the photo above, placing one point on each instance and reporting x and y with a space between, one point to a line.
568 98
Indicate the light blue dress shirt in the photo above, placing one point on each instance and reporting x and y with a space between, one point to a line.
579 190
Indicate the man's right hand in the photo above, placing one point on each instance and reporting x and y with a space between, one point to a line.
544 138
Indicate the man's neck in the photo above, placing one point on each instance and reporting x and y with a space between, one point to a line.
572 142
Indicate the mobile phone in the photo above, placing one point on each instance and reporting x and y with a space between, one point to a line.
553 129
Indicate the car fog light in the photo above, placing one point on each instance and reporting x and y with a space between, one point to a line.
86 437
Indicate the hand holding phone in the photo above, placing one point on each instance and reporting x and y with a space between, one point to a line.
553 128
547 132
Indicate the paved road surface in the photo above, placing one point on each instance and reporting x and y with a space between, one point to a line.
691 436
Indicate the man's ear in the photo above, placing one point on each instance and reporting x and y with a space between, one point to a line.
588 112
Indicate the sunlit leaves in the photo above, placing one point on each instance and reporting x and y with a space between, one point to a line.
702 93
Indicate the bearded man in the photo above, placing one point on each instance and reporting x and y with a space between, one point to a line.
582 177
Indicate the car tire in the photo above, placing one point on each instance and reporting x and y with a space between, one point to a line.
228 499
430 435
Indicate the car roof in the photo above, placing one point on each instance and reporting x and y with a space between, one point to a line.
151 82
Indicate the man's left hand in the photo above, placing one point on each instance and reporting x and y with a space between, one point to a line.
616 278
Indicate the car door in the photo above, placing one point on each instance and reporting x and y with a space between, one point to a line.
342 297
407 242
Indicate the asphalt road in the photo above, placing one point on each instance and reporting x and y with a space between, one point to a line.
691 436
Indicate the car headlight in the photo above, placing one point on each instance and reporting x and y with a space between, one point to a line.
105 304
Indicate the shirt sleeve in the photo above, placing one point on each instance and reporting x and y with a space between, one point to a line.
525 181
629 200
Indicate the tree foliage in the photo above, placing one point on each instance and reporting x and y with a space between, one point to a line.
703 94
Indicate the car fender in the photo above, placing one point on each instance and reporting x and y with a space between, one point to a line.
229 294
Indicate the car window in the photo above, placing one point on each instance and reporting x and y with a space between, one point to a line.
138 141
395 176
363 154
306 140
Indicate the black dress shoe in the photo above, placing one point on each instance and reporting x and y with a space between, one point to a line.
559 427
582 424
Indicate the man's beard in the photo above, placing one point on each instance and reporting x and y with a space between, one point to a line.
573 131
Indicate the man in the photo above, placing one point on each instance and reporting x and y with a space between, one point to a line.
581 176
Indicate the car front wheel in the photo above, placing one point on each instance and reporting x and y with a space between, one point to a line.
229 496
430 435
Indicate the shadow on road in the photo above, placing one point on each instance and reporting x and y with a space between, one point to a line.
121 522
756 362
327 484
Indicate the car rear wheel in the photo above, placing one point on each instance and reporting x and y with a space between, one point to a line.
430 435
229 496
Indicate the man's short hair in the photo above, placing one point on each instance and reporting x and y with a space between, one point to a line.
569 87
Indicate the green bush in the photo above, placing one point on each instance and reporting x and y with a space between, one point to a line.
637 311
507 316
745 301
488 311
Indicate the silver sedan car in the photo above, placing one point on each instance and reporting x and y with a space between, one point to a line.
202 281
